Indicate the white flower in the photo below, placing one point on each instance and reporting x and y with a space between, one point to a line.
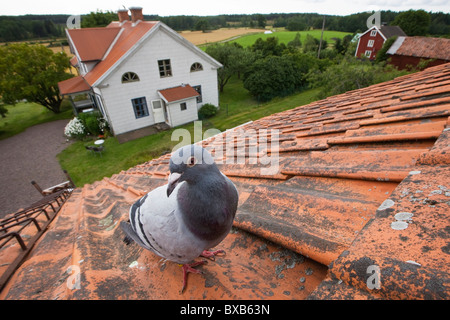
74 128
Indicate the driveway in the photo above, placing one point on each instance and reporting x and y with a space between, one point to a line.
30 155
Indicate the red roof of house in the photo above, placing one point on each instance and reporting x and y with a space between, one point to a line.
178 93
423 47
357 210
129 36
92 43
73 85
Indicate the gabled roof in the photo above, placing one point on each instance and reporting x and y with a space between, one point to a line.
110 45
361 194
91 44
391 31
179 93
423 47
386 31
73 85
129 37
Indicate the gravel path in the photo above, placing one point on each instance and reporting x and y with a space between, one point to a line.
30 155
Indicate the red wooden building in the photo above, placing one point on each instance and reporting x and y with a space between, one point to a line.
407 52
373 39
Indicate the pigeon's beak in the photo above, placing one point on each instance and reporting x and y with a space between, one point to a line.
173 181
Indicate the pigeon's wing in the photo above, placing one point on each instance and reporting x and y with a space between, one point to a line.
157 223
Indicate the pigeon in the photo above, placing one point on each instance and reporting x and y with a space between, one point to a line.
191 214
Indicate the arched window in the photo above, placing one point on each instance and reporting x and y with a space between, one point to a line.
129 77
196 67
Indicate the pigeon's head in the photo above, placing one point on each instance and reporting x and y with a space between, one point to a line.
189 163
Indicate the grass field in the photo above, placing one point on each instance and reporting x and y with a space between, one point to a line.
287 36
237 107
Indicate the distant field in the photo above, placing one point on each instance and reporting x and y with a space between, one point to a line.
287 36
201 38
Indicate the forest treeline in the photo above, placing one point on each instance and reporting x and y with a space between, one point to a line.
31 27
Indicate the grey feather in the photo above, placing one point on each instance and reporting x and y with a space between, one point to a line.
196 216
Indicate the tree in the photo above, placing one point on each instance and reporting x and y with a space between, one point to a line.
296 43
98 19
261 21
203 25
234 59
32 72
273 76
413 23
350 74
268 47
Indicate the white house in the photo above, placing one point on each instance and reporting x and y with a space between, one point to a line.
141 73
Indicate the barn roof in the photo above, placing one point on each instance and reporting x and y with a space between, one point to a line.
422 47
357 207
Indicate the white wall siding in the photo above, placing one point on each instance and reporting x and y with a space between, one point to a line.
178 117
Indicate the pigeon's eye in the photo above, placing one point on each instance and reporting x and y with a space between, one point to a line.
191 162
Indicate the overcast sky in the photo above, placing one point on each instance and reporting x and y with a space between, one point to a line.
214 7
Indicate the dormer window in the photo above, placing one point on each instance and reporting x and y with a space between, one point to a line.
129 77
196 67
373 33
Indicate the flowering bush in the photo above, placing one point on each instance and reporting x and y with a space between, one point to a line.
75 129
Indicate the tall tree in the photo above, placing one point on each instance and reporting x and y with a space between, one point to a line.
234 59
414 23
32 72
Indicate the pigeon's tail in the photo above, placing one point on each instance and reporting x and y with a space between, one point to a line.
128 240
130 235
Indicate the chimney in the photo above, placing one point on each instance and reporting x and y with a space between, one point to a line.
123 15
136 14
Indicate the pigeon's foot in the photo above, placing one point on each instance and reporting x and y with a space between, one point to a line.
190 268
211 254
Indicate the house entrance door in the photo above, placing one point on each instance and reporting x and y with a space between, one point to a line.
158 112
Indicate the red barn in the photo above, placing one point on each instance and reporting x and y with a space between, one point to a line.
407 52
373 39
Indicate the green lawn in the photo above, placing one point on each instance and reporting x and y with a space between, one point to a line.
237 107
26 114
287 36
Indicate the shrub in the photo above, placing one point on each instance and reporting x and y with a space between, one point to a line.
75 129
207 111
87 123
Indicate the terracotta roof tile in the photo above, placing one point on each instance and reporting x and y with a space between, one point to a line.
92 43
362 184
128 37
178 93
73 85
423 47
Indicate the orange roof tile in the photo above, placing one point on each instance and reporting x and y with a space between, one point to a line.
92 43
178 93
424 47
129 35
73 85
357 210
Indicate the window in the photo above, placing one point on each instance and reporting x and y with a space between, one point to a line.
368 53
370 43
164 68
140 107
129 77
196 67
183 106
373 33
199 91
